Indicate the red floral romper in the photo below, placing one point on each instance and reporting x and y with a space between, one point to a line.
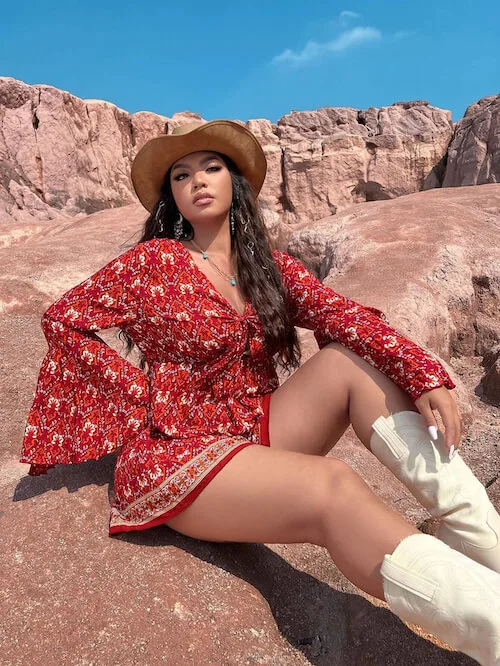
206 394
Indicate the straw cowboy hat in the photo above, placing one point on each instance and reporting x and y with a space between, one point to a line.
154 159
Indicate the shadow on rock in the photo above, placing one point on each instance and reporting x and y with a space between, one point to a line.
72 477
329 627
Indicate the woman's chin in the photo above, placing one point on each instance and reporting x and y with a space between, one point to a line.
207 214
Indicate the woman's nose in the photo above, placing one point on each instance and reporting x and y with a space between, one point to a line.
199 179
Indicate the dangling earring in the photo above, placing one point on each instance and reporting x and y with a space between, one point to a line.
231 220
178 227
158 216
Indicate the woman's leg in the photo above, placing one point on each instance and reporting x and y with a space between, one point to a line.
263 495
312 409
334 388
267 496
270 495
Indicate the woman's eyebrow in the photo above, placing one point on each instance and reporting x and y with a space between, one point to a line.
202 161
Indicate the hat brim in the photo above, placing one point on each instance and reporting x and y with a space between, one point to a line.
154 159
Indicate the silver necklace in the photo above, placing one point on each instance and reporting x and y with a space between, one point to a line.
230 278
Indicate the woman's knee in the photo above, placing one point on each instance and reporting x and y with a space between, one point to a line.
341 481
342 490
262 496
371 392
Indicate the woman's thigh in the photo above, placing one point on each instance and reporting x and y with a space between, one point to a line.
310 412
263 496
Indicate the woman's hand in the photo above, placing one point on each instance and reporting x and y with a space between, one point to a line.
444 401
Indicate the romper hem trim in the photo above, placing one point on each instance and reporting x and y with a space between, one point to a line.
184 502
116 525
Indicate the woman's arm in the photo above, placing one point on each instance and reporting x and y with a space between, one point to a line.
89 400
362 329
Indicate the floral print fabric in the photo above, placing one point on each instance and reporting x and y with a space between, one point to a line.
209 374
363 329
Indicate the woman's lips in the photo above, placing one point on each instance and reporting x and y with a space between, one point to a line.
203 201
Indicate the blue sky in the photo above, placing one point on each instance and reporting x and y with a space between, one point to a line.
256 59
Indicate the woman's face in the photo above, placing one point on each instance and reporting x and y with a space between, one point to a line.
201 186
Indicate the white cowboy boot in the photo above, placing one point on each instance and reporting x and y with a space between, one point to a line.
447 594
446 488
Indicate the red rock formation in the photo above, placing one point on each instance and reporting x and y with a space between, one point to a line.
474 153
60 154
431 258
334 157
63 155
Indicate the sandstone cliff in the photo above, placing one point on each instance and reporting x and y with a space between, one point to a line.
474 153
60 155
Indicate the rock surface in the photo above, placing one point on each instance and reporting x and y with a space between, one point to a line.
63 155
491 380
73 595
474 153
430 260
59 153
334 157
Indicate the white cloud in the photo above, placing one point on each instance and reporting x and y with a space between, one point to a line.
314 50
346 17
354 37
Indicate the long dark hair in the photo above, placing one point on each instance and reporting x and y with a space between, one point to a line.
258 276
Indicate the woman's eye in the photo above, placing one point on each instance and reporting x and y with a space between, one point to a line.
214 167
180 176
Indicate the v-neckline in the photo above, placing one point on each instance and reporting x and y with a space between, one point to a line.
212 286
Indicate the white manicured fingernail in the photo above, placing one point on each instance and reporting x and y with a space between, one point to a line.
433 432
452 451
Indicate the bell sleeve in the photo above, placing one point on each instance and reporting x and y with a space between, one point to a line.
88 400
361 328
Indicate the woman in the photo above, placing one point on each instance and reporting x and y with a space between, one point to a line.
212 309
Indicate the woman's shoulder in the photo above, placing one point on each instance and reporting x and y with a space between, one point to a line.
280 255
164 250
285 260
154 244
143 259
